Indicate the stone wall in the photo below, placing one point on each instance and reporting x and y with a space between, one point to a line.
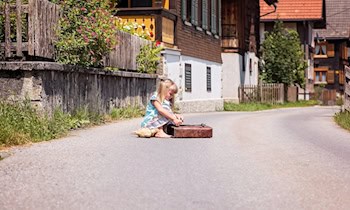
50 85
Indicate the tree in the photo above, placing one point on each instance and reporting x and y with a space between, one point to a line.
282 57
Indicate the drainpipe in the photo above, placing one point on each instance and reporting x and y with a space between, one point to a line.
273 3
306 55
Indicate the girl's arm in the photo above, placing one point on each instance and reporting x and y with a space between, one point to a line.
166 113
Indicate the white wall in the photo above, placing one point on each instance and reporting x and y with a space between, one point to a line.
199 79
262 32
234 74
199 99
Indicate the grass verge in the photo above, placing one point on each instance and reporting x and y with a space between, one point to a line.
249 107
21 124
343 119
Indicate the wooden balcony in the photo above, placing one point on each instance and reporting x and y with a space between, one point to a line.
157 21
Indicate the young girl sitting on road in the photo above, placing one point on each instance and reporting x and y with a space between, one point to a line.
159 111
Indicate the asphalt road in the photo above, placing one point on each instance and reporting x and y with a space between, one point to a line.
294 158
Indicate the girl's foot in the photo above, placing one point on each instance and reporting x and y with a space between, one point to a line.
162 134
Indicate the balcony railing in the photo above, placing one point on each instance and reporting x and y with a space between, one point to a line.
158 22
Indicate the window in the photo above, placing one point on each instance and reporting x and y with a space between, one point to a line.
203 13
204 16
320 75
208 79
321 50
250 66
188 77
324 50
186 10
134 3
213 22
141 3
123 4
200 14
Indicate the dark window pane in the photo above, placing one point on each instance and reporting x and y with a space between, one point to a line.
141 3
208 79
188 77
122 4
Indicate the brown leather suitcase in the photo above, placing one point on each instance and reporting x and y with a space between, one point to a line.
190 131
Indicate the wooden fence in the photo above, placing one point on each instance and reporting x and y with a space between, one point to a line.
124 54
39 19
264 93
347 88
32 33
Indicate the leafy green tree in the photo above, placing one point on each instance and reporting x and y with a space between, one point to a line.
282 57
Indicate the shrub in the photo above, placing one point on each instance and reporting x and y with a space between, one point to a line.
148 58
87 32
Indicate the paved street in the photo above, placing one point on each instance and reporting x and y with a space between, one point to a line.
295 158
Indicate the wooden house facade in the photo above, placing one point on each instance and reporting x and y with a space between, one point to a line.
209 45
240 44
332 47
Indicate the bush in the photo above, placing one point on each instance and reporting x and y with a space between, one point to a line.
148 58
87 32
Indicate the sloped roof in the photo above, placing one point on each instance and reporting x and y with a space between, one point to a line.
338 20
292 10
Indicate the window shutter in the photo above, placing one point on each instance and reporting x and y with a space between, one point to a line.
205 14
341 77
219 9
188 77
184 9
330 50
213 16
344 51
330 76
208 79
194 12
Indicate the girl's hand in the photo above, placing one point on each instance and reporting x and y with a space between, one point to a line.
177 122
180 117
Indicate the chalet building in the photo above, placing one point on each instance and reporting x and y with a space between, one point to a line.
332 51
212 45
302 16
240 45
190 30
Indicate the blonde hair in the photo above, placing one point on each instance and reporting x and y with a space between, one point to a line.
164 86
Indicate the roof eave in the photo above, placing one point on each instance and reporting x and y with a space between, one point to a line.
292 19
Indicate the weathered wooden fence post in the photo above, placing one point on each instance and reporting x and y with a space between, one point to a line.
347 88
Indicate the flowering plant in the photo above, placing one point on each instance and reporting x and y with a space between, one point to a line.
87 32
133 28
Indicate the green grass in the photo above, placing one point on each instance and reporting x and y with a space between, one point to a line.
343 119
249 107
21 124
126 113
